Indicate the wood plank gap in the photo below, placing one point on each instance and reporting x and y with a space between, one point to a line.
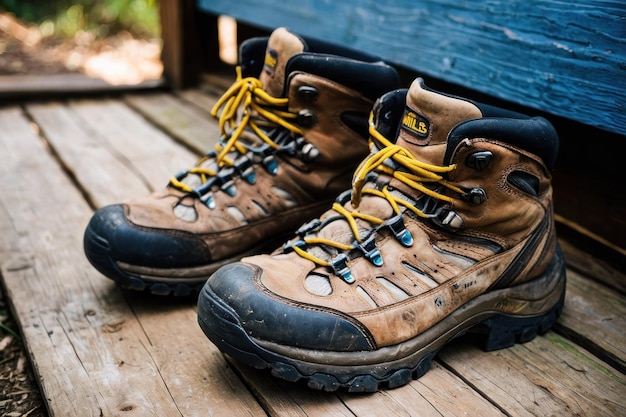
217 82
200 99
72 324
549 375
590 235
184 122
439 392
280 398
444 364
593 318
211 88
120 156
48 146
79 148
126 136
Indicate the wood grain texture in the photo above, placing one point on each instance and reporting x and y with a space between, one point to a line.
189 124
128 137
564 58
588 265
594 317
101 351
550 376
78 332
95 351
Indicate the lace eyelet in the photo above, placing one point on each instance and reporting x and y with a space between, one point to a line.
370 251
340 267
396 224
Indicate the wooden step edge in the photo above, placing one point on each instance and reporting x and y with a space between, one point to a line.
591 254
34 86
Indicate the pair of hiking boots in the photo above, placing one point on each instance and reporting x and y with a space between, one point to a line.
441 223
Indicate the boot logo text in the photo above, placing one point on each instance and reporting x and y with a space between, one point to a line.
415 123
271 59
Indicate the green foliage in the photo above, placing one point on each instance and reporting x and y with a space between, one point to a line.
99 17
3 327
9 330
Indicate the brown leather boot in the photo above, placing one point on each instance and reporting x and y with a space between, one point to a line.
291 140
448 228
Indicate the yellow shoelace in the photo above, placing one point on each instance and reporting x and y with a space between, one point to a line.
415 174
259 110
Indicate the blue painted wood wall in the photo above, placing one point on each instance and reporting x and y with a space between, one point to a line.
567 58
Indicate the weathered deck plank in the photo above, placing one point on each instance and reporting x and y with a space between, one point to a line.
587 265
67 135
185 360
594 317
94 353
187 123
199 99
64 316
128 137
548 376
101 351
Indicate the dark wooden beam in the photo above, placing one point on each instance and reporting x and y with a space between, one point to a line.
190 42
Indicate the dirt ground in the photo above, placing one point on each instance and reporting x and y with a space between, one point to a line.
19 392
120 59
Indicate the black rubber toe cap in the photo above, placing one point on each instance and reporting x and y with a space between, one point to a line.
110 237
236 298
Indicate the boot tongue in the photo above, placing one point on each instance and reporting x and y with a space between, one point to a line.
281 46
428 118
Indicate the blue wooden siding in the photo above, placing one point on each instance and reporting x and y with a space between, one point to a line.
567 58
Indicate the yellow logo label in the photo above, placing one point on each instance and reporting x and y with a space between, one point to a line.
415 123
271 59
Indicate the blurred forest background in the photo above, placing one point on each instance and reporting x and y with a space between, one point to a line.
117 40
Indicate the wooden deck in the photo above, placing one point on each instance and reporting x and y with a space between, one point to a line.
101 351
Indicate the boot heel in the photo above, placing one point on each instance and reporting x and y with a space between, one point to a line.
504 331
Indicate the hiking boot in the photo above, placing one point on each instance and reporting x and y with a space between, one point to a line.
448 228
291 140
